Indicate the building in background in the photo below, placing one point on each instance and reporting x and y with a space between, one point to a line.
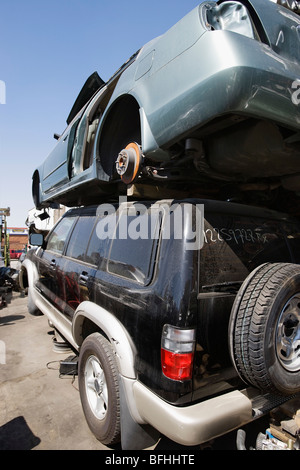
18 241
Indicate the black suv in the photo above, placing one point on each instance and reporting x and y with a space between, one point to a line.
185 314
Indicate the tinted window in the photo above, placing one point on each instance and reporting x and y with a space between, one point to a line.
58 237
100 240
132 253
292 232
234 246
80 238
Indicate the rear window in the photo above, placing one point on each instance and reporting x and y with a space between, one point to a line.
293 237
234 246
133 251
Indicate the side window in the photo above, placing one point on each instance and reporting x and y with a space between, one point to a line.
80 237
100 240
58 237
132 256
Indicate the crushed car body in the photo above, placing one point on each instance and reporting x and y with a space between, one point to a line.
212 107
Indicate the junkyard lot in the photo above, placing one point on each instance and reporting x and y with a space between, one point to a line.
39 409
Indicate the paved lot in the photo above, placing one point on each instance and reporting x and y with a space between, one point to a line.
38 409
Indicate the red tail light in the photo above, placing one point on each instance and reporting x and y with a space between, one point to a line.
177 352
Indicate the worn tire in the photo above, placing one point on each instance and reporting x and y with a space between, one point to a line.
264 329
99 388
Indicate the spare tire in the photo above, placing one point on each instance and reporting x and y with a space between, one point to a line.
264 329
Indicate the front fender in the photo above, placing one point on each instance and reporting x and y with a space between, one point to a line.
30 269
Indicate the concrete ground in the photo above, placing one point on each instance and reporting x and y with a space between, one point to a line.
38 410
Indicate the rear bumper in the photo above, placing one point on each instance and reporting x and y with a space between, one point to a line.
195 424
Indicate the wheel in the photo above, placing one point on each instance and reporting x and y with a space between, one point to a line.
99 388
264 329
122 125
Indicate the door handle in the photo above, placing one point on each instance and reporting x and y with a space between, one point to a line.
53 263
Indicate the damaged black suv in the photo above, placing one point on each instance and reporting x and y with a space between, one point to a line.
184 314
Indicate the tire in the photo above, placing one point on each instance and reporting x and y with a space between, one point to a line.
264 329
99 388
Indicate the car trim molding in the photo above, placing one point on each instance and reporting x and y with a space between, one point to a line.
59 321
195 424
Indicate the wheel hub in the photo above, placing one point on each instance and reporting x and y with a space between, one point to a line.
288 335
129 162
96 387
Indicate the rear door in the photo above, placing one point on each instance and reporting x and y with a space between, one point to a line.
234 245
79 269
51 262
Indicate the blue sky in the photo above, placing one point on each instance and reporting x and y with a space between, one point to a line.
48 49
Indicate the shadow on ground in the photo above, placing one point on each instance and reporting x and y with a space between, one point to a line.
16 435
10 319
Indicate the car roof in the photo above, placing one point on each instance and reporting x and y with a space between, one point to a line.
210 206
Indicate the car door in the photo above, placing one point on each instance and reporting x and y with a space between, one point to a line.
51 261
56 166
78 270
72 153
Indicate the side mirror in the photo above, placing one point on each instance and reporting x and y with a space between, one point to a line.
36 239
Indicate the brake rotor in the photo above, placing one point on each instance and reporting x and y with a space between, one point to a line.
129 162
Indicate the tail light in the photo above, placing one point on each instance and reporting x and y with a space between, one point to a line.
230 16
177 352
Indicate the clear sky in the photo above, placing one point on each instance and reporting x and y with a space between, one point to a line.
47 51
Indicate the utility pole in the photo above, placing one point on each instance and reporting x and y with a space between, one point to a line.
4 247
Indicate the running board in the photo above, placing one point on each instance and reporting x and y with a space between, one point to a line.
263 404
